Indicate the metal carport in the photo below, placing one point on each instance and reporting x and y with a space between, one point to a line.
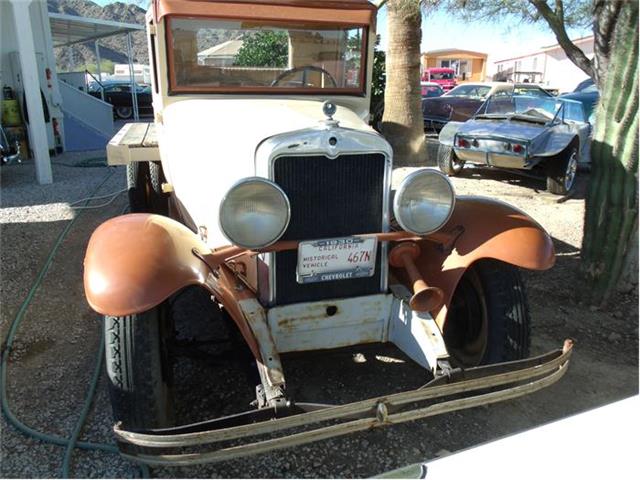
68 30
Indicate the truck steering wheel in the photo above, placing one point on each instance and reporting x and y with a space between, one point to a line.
304 70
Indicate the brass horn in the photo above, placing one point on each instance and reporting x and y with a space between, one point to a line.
425 298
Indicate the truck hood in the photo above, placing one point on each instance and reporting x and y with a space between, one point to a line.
523 131
207 145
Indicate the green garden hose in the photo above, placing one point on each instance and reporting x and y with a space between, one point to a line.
73 442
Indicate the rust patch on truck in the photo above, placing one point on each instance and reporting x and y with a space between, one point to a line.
330 324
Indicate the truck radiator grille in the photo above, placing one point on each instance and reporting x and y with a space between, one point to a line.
329 198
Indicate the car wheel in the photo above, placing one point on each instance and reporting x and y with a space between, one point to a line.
488 318
376 120
144 184
562 172
448 162
124 113
139 368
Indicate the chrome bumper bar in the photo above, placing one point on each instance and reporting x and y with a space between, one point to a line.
470 388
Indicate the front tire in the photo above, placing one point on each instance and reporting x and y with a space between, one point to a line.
139 368
448 162
562 172
488 319
144 184
124 113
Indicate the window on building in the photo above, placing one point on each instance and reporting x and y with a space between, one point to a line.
458 65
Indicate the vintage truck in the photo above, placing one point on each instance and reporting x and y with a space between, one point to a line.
260 182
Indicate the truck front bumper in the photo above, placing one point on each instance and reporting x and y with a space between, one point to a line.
239 435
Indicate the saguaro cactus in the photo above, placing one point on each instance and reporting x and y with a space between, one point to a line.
611 220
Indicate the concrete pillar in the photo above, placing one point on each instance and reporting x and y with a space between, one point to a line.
31 84
134 89
99 68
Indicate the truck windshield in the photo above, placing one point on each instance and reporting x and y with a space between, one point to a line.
240 56
470 91
441 75
534 108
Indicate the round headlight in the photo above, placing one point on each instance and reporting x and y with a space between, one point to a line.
254 213
424 202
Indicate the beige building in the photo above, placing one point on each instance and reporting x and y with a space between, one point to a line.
469 66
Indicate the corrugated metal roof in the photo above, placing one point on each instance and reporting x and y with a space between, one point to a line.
71 29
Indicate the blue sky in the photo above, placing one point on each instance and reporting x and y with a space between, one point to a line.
503 39
507 38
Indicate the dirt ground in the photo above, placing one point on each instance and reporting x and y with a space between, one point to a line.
55 351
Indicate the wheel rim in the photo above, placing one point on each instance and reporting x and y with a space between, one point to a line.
466 329
456 164
123 112
572 169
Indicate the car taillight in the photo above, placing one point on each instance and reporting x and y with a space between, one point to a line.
463 143
517 148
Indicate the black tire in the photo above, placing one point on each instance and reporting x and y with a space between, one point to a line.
448 163
562 171
488 319
139 368
123 112
376 120
135 188
144 184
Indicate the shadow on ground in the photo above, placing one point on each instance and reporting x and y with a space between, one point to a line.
56 345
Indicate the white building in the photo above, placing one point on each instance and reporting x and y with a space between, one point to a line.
548 66
222 55
141 73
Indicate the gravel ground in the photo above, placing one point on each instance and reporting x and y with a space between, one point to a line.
55 347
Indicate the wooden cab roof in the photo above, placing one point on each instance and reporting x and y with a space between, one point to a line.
338 12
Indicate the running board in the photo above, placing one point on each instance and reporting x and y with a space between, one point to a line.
472 387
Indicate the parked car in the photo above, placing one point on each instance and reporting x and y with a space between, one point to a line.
269 191
586 93
430 89
119 95
520 132
465 100
445 77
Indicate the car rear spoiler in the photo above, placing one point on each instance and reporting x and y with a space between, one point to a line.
455 389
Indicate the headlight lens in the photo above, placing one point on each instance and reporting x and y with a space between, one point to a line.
254 213
424 202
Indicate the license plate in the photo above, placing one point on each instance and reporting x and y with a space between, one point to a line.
336 259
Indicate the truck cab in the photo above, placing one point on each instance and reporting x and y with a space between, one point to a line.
445 77
261 182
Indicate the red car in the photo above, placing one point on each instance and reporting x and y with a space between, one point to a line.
445 77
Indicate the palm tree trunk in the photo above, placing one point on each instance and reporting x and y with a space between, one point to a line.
402 121
611 219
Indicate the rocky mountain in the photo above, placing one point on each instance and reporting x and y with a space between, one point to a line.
114 49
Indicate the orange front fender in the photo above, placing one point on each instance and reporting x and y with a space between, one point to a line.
135 262
491 229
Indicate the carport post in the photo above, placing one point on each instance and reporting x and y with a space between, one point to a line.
99 72
31 84
134 92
